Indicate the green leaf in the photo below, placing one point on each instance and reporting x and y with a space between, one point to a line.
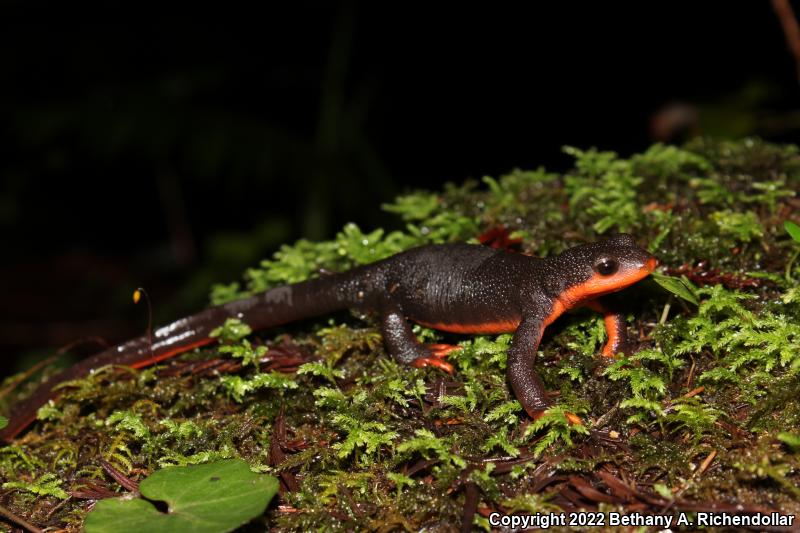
212 498
792 229
677 286
3 422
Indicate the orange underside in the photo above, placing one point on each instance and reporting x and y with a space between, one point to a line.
596 286
485 328
171 353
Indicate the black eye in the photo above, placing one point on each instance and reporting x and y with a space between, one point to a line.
606 267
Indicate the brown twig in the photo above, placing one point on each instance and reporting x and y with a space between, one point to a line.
470 506
706 462
119 477
19 520
137 294
791 29
277 456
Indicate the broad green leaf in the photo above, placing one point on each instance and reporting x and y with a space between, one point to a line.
677 286
209 498
3 422
792 229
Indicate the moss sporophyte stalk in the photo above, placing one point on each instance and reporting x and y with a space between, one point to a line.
701 415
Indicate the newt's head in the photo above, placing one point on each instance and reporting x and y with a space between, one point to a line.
598 268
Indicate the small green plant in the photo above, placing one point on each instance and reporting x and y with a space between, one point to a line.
129 421
239 387
414 207
714 192
429 445
606 188
794 232
369 435
743 227
669 162
558 427
647 386
741 338
692 414
323 370
233 330
45 485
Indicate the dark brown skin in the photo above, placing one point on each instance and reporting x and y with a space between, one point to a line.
458 288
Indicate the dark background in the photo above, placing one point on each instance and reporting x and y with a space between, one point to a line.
175 154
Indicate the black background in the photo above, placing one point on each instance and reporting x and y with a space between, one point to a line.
170 153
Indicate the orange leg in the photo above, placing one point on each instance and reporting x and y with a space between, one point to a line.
615 328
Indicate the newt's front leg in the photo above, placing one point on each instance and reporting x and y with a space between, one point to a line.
616 329
525 382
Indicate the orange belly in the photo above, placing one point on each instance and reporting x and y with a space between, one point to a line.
485 327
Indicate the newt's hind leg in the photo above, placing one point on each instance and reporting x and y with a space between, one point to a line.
403 344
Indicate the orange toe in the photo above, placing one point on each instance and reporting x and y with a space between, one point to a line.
442 350
573 419
433 361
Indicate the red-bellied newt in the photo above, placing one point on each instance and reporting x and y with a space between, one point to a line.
459 288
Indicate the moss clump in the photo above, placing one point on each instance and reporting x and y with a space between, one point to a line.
704 415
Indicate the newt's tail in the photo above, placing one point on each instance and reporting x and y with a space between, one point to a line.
276 306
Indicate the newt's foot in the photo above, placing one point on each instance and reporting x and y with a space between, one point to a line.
420 362
574 419
610 351
442 350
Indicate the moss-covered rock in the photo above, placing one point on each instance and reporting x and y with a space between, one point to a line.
705 416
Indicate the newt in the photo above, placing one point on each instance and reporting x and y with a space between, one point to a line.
460 288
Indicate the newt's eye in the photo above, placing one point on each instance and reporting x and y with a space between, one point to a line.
606 267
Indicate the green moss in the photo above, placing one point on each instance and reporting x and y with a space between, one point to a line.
366 442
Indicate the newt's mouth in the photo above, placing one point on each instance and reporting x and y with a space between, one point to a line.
637 275
599 285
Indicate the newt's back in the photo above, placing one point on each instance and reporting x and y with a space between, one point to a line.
461 285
